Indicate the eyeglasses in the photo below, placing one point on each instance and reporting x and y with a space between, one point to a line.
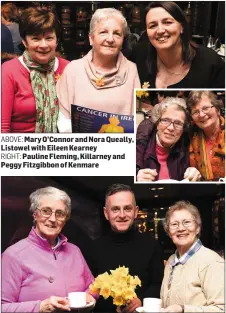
185 223
204 110
167 122
47 212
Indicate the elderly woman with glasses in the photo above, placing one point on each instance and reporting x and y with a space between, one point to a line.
166 154
207 148
39 271
194 276
103 80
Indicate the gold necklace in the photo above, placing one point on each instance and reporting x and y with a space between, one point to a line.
171 73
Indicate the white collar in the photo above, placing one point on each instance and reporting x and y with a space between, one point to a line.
56 64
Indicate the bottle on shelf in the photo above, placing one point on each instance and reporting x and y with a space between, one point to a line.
188 12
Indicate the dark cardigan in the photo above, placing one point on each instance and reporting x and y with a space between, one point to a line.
207 68
177 161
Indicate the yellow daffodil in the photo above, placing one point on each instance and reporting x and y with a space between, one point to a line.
134 281
142 93
119 285
129 294
145 85
118 300
105 291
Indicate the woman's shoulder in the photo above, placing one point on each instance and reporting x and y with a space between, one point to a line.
131 65
74 66
170 260
14 70
145 129
73 248
16 249
62 61
207 256
205 54
11 64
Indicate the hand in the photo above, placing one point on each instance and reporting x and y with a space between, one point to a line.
175 308
54 303
90 298
192 174
146 174
132 305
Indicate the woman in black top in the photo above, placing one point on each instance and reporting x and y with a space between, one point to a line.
170 59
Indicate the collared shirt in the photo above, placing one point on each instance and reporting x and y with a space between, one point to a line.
184 258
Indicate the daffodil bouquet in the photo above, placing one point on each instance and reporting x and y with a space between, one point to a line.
119 285
141 94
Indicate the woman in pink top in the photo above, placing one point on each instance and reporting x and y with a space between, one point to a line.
29 100
166 155
207 148
39 271
103 80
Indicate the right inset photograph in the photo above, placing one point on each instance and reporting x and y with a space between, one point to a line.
180 136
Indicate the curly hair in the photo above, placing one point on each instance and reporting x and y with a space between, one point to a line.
160 108
195 96
182 205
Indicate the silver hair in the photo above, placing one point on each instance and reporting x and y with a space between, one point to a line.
101 14
183 205
49 191
160 108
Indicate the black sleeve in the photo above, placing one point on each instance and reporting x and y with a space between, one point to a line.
156 272
144 131
218 79
91 259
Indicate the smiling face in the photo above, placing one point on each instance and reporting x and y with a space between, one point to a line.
42 47
107 37
168 135
162 29
50 227
183 237
205 121
121 211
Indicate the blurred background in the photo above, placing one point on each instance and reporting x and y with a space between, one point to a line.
206 20
87 220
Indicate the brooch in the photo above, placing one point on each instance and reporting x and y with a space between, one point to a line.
100 82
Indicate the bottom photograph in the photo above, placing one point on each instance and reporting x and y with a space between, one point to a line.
105 244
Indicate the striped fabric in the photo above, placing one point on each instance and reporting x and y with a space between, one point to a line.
185 257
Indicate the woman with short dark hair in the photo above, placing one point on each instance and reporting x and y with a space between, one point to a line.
170 59
29 100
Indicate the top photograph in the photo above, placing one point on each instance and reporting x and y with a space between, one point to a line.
72 67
